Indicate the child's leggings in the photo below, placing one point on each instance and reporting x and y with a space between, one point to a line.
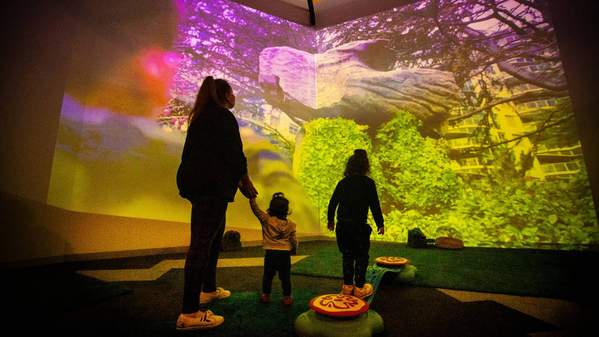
354 242
277 261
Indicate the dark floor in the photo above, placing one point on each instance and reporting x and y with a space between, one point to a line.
56 299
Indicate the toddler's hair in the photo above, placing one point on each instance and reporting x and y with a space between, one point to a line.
279 206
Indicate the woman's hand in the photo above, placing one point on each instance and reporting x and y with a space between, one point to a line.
382 230
247 187
331 226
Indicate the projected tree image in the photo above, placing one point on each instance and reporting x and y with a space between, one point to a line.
464 109
462 106
224 39
509 138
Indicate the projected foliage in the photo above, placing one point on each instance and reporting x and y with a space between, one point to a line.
462 106
416 172
505 166
322 153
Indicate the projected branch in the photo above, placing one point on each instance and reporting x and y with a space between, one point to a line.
464 37
281 141
227 45
546 125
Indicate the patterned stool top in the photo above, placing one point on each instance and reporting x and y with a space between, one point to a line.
391 261
338 305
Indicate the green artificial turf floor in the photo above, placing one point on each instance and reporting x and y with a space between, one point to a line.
55 299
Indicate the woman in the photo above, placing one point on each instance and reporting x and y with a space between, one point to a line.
212 168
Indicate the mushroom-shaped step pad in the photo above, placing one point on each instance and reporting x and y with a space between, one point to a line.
333 315
311 324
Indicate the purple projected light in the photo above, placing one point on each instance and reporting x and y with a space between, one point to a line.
224 39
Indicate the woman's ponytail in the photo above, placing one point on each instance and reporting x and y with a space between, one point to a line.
210 90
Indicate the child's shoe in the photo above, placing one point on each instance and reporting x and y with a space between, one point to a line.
265 298
287 301
200 320
363 292
218 294
347 289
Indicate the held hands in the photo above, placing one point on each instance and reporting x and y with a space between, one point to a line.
247 187
381 230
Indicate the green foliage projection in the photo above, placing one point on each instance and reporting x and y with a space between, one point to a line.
320 158
418 188
416 171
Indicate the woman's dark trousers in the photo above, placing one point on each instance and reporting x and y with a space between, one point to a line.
207 228
353 241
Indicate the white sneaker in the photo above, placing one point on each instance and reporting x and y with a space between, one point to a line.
218 294
200 320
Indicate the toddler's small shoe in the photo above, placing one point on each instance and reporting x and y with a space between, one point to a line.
265 298
287 301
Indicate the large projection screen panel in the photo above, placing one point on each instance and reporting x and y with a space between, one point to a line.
463 108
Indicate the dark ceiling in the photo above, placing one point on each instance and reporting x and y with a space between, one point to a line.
326 12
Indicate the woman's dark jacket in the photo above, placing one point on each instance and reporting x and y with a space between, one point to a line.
212 162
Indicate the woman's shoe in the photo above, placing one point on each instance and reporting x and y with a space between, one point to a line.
218 294
200 320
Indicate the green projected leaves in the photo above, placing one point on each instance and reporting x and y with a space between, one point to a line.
416 171
418 188
321 155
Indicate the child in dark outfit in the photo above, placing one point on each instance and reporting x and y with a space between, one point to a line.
354 195
279 242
